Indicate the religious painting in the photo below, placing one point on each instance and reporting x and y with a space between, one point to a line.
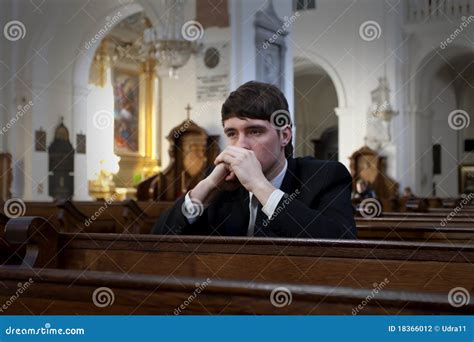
126 86
466 179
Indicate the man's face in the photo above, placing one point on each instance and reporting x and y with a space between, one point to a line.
259 136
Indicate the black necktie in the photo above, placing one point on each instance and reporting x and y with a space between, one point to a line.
261 222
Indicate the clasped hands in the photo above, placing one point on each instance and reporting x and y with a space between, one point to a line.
236 165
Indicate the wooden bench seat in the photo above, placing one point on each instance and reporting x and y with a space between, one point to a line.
430 267
59 292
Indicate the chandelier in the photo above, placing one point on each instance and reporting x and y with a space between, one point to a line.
172 41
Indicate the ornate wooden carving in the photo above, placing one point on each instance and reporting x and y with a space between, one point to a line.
192 152
368 165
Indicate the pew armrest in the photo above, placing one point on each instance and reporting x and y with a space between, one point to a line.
38 236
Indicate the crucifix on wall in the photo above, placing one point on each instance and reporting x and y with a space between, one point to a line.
188 111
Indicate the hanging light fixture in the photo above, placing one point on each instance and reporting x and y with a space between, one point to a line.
172 41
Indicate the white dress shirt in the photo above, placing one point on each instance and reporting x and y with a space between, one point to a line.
272 202
268 208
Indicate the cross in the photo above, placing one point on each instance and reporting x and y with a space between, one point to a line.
188 111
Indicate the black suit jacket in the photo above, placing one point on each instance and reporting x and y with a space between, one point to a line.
317 204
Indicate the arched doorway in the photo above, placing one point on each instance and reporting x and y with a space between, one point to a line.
316 122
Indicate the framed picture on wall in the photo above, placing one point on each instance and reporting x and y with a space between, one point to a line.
466 179
40 140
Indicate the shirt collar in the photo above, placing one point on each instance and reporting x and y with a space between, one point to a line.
278 179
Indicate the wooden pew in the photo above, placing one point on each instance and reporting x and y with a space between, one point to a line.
421 234
409 226
428 267
146 213
48 210
65 216
8 253
132 217
59 292
446 211
128 216
415 222
428 215
152 208
76 220
96 216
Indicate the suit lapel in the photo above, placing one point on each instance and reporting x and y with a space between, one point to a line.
289 181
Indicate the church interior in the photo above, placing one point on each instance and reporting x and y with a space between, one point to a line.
110 111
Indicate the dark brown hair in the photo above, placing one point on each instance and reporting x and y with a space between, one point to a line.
257 100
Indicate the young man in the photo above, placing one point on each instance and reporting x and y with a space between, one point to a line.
256 187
